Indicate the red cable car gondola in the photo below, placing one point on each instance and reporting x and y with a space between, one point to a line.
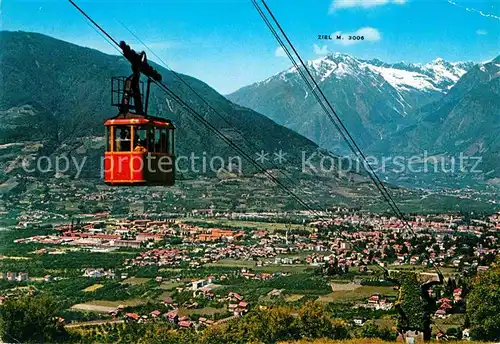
139 147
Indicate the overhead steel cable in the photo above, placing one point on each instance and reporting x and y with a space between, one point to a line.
358 149
93 22
206 123
297 67
233 145
220 114
347 138
351 142
287 52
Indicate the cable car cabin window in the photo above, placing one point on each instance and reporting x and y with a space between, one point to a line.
161 140
151 139
108 139
170 141
141 139
122 138
156 140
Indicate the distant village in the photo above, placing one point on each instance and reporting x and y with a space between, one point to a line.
346 244
356 241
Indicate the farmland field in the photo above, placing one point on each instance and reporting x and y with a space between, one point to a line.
202 311
170 285
293 297
344 286
106 306
93 287
234 263
355 294
444 270
135 280
163 295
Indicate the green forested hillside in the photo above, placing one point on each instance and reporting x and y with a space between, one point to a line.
58 92
466 120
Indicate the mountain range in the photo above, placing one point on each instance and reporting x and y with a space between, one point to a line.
442 107
466 120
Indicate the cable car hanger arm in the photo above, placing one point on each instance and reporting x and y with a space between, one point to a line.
139 64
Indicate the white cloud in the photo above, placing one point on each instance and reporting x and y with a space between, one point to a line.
320 50
482 32
340 4
370 34
279 52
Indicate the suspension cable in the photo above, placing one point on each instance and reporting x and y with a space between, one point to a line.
318 99
354 147
220 113
212 128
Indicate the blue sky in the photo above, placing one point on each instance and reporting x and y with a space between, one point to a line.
226 44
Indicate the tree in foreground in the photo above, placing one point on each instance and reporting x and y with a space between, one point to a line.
483 305
371 330
30 319
278 324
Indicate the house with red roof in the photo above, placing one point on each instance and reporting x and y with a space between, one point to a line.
457 294
446 307
185 324
235 296
155 313
239 312
172 316
243 304
440 313
132 316
444 300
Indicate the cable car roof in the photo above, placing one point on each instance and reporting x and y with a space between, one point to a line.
131 119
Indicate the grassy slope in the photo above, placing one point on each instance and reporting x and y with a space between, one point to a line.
361 341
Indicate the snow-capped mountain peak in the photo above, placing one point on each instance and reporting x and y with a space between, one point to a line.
446 73
438 75
334 64
403 80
